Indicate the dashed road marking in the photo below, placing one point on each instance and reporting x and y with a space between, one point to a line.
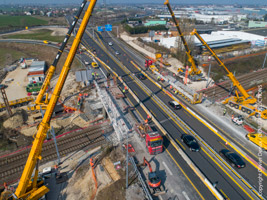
185 195
168 169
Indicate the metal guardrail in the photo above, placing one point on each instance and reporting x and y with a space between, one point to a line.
142 182
118 123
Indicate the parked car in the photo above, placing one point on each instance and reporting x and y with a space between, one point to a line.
191 142
175 105
141 76
110 43
238 120
233 158
117 53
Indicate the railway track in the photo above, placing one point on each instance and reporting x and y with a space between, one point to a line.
12 166
222 90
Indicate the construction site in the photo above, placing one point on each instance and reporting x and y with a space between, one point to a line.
107 114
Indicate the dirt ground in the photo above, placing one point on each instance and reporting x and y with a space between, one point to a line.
56 31
11 139
17 88
110 185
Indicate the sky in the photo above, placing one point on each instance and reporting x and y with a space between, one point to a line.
254 2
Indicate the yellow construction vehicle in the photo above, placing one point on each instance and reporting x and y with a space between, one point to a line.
246 102
194 72
94 65
29 187
41 102
16 103
259 139
46 42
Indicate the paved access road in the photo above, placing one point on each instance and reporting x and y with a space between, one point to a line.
213 170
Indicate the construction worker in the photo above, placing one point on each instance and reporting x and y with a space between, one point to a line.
224 111
232 116
97 75
57 172
93 75
146 121
125 89
170 86
176 92
158 78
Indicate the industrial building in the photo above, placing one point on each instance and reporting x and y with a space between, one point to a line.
257 24
155 22
222 46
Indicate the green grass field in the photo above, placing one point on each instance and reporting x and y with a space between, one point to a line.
42 34
7 22
7 56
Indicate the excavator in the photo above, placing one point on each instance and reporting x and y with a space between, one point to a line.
244 102
194 72
41 102
33 188
154 182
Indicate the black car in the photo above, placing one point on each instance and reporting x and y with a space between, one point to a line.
175 105
191 142
141 76
233 158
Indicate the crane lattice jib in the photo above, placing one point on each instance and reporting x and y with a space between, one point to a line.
52 68
188 52
35 152
221 64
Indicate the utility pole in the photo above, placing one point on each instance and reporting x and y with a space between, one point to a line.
264 61
208 82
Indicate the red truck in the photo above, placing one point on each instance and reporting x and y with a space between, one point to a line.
154 141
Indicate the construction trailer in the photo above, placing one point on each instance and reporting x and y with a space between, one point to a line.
244 102
32 187
195 73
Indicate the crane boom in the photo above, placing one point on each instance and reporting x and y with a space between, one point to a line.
35 153
52 68
235 82
194 70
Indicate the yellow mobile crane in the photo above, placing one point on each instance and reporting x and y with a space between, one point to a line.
195 72
39 102
30 188
246 102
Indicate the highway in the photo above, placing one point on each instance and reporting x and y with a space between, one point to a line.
214 171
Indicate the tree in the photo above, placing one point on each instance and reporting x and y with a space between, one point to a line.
265 17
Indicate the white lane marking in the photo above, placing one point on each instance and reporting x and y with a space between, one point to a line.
167 168
185 195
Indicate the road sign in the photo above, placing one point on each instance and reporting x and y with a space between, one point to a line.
108 27
100 28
